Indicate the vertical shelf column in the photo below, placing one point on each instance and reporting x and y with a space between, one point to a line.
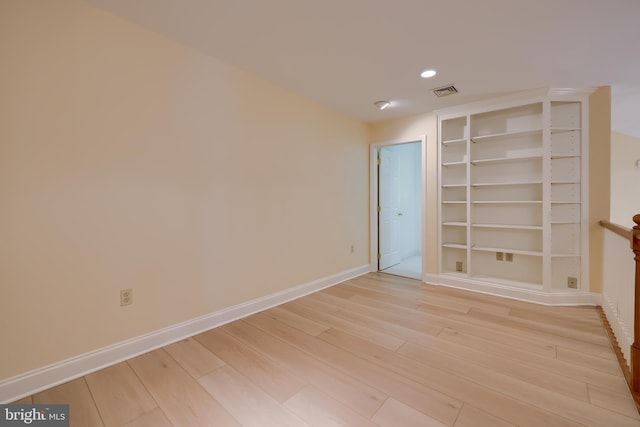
454 195
506 226
546 196
565 190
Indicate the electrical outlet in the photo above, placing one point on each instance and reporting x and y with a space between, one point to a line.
508 256
459 266
499 256
126 297
572 282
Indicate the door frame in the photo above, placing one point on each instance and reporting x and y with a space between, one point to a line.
373 197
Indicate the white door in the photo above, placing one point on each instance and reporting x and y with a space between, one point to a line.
389 214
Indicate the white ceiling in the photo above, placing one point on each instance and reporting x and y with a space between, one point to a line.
349 53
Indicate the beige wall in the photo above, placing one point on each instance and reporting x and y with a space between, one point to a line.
599 178
625 178
407 129
127 160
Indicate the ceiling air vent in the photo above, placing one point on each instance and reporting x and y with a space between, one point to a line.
445 91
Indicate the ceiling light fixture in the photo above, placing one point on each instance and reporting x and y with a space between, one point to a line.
382 104
428 74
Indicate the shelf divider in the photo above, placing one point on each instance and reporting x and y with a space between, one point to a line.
499 136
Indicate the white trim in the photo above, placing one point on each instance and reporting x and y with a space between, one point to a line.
560 298
512 99
585 206
373 196
23 385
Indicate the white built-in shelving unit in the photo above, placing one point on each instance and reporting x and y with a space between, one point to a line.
513 195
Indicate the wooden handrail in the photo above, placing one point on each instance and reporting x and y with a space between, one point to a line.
635 347
618 229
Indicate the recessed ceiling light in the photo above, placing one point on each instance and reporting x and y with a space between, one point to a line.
382 104
428 74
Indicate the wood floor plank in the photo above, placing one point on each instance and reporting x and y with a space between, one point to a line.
474 417
459 387
320 410
279 382
621 403
436 404
535 362
556 334
326 298
397 300
247 402
550 381
403 317
393 280
316 304
460 306
576 321
603 364
295 319
489 299
394 414
154 418
524 329
181 398
379 324
332 321
496 342
390 281
467 300
360 397
394 286
468 360
119 394
194 357
338 291
416 292
82 408
426 322
425 370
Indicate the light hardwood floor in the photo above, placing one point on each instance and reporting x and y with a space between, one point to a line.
378 350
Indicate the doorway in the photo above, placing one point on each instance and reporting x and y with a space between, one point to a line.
398 182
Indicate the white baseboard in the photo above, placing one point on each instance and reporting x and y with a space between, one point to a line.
43 378
522 294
